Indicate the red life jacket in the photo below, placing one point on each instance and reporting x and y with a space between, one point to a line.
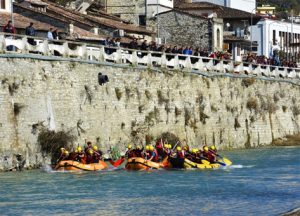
155 158
210 157
130 154
180 154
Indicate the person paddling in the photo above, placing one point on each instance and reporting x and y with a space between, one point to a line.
180 153
64 154
153 155
130 152
209 155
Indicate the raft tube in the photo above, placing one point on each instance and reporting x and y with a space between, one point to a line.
138 163
69 165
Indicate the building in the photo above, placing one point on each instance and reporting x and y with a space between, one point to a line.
243 5
274 35
5 6
71 24
237 35
182 28
136 11
266 10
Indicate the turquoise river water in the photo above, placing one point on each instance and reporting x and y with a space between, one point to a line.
261 182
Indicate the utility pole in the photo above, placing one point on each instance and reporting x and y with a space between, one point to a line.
157 22
292 30
12 11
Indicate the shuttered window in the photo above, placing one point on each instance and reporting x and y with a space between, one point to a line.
2 4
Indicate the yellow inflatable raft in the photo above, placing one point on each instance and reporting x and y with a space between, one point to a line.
69 165
138 163
190 164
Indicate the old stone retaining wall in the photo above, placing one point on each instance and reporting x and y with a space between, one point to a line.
230 112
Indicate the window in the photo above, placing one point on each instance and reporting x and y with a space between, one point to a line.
274 37
218 38
142 20
2 4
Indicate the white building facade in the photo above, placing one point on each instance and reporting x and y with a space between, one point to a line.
158 6
274 35
244 5
5 6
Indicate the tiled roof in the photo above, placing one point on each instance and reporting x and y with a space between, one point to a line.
21 22
221 11
101 19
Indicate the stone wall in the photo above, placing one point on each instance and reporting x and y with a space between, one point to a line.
230 112
127 10
185 30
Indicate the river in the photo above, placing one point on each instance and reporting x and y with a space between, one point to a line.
262 181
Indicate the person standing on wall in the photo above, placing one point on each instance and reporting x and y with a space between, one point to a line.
30 31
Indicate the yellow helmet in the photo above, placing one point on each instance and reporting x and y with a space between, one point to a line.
185 148
95 148
129 146
170 146
194 150
76 151
66 152
79 149
205 148
178 148
166 145
151 148
147 148
62 149
90 151
213 147
138 147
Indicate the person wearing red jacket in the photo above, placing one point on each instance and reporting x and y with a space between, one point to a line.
9 28
209 155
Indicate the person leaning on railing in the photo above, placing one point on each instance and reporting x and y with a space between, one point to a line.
10 29
50 34
30 31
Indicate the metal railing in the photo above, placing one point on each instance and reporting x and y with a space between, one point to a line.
119 55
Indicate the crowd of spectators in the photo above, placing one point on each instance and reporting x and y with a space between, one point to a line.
168 49
274 61
114 43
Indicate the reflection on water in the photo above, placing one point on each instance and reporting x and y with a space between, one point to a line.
261 182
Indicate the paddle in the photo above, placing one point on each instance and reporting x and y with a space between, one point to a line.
226 161
117 162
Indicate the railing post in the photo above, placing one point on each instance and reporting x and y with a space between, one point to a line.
46 47
65 49
118 56
188 63
84 52
134 58
164 60
200 65
176 62
149 59
2 44
102 54
25 45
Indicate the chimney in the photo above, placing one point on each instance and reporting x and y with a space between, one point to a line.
96 30
71 28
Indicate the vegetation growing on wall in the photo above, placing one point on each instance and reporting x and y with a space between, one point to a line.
51 142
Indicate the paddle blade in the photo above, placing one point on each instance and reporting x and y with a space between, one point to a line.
227 161
117 162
